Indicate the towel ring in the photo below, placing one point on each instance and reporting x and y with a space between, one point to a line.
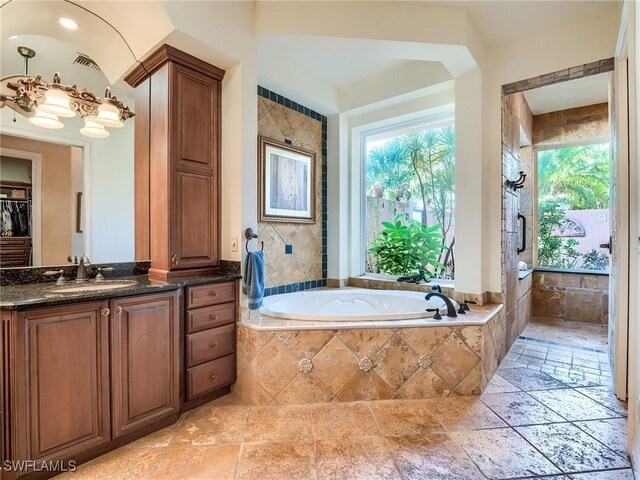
249 234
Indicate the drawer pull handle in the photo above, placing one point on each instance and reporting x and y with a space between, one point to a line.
117 310
214 344
214 377
213 316
105 312
213 293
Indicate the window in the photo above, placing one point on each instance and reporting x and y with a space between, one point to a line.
410 199
573 207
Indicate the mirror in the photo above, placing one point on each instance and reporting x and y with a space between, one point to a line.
62 193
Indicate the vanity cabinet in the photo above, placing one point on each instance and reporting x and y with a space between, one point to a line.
177 163
145 367
210 341
61 401
87 377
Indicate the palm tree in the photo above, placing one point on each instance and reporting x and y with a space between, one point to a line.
388 165
578 176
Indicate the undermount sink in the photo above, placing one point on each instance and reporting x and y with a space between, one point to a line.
96 286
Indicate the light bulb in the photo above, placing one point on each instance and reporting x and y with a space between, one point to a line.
92 128
68 23
109 115
46 120
57 102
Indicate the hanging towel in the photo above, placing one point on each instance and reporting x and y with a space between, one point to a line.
253 280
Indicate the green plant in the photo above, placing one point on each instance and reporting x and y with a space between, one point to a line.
407 246
595 260
554 251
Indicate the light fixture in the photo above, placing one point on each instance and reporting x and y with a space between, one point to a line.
92 128
56 100
108 113
68 23
12 37
46 120
44 102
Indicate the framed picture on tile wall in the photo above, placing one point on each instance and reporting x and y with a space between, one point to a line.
286 182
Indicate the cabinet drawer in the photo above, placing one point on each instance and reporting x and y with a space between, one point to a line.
210 376
207 317
210 344
211 294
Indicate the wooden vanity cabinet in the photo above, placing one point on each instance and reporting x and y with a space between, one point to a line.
88 377
145 364
61 387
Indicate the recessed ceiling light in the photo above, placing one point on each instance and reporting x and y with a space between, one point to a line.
68 23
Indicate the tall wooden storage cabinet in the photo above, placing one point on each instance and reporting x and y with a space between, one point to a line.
177 150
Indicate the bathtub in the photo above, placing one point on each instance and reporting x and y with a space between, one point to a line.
350 305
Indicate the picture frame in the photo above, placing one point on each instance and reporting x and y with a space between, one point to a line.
286 182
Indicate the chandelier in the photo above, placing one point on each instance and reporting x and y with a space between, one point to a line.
44 103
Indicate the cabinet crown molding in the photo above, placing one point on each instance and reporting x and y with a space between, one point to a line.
167 53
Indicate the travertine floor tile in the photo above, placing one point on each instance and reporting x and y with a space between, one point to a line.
358 458
199 463
502 453
212 426
279 424
571 449
342 420
626 474
573 405
404 417
431 456
499 385
611 432
276 461
123 464
519 408
527 379
464 413
604 395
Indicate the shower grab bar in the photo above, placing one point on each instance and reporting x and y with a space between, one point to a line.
524 233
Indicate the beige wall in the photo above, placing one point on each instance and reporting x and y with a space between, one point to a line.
56 213
280 123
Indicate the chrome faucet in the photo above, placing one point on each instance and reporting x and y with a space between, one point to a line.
81 274
451 310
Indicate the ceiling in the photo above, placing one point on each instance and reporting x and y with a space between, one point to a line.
344 69
571 94
501 21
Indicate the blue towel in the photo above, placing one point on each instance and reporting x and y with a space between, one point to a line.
253 280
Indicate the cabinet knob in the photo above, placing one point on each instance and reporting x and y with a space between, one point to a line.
213 293
213 316
214 377
214 344
105 312
117 310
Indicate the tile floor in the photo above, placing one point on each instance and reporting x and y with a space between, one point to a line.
548 413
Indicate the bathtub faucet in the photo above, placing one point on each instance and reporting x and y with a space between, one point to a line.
451 310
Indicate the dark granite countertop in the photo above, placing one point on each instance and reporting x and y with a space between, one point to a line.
33 295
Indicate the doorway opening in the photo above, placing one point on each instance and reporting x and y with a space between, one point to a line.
558 224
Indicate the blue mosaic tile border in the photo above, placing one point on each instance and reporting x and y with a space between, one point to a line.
299 286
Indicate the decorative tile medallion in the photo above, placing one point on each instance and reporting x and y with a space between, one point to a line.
305 365
365 364
425 361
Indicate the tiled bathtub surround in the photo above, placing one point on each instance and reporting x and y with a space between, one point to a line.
282 119
571 296
296 366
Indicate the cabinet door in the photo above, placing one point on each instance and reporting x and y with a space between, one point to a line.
195 174
144 360
62 370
